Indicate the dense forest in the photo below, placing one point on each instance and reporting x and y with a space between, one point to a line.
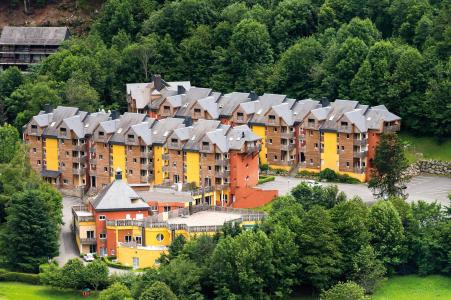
394 52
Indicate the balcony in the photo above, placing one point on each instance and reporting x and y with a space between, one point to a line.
166 168
80 147
79 159
165 156
222 174
360 142
89 241
79 171
93 161
287 135
392 128
287 147
359 170
92 149
145 179
146 154
360 154
249 148
82 213
224 186
222 162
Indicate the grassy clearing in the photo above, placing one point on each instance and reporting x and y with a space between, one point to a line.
16 290
426 148
413 287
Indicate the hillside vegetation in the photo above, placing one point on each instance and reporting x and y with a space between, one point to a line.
394 53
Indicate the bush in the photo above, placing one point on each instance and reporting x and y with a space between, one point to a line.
6 275
264 179
115 264
307 174
348 290
278 171
264 167
332 176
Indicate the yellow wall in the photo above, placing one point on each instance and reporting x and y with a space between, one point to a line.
147 258
193 167
86 226
151 237
51 154
261 132
158 164
119 160
275 167
330 155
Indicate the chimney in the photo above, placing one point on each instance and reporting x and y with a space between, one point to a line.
180 90
115 114
253 95
188 121
324 102
118 175
157 83
48 108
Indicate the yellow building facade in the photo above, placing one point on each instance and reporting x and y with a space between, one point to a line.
193 167
51 154
119 160
158 164
261 132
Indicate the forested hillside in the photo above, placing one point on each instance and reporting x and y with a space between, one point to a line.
394 52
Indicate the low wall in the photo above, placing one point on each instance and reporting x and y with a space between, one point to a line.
430 167
75 192
253 197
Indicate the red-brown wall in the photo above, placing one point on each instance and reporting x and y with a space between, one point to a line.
253 197
373 140
243 166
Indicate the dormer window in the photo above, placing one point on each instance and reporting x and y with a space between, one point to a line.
166 108
272 117
174 141
311 120
34 127
197 110
101 133
344 123
130 136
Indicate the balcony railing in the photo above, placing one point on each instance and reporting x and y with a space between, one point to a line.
80 147
252 148
166 168
222 174
79 217
165 156
287 135
146 154
90 241
360 154
79 159
360 142
79 171
287 147
222 162
359 170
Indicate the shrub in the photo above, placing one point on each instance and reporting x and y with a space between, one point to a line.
307 174
264 179
348 290
264 167
278 171
19 277
332 176
115 264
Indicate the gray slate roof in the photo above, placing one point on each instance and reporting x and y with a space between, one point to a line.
53 36
163 128
58 115
165 195
118 195
229 102
199 130
125 122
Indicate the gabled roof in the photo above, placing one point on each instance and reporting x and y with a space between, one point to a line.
229 102
284 111
59 114
163 128
117 196
302 108
143 131
219 138
337 109
125 122
52 36
357 118
198 132
140 92
237 136
209 104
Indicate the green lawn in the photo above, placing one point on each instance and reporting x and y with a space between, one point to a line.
19 291
412 287
426 148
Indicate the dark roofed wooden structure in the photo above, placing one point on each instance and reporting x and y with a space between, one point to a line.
22 46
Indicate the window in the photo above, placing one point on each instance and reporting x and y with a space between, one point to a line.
344 123
130 148
270 141
160 237
34 150
62 142
130 136
166 208
65 181
209 168
90 234
102 217
174 140
101 133
102 236
197 110
342 148
347 164
128 238
38 162
105 169
100 156
316 145
272 117
139 240
134 160
347 136
275 157
130 172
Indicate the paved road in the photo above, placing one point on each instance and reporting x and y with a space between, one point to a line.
428 188
68 249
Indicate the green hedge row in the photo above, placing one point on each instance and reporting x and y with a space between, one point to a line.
6 275
328 175
264 179
115 265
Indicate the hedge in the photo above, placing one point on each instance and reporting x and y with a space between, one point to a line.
332 176
115 265
264 179
6 275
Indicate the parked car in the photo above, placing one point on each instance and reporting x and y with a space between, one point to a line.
88 257
311 182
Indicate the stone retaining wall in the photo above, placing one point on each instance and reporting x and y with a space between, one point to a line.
430 167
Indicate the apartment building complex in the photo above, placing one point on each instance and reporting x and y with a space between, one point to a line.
23 46
76 151
295 134
119 222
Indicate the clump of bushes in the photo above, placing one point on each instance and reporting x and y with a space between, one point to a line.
112 264
264 167
278 171
307 174
332 176
264 179
6 275
347 290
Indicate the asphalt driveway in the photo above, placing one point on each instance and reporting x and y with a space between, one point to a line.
427 188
